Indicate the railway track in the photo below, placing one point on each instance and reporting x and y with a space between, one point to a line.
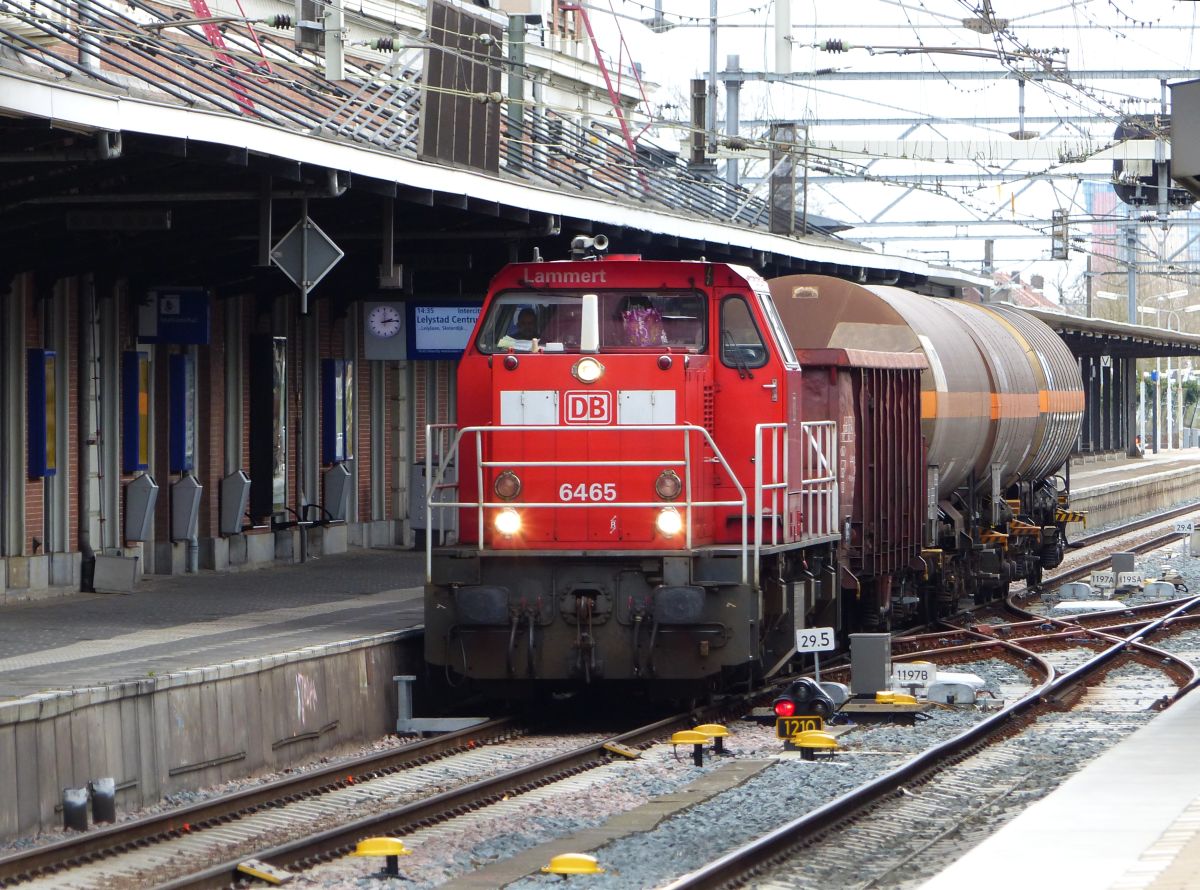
1039 666
1138 536
1179 511
943 783
259 823
55 858
307 819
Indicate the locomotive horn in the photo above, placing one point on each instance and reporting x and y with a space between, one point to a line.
582 244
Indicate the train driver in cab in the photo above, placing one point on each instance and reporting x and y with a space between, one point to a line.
523 337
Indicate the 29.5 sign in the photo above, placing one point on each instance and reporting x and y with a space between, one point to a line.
815 639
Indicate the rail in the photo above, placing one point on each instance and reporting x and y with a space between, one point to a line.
735 866
817 495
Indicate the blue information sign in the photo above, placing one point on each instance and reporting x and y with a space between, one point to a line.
175 315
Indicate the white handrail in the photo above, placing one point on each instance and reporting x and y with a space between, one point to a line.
436 479
818 494
760 487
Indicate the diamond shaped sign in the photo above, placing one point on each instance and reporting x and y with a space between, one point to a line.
306 254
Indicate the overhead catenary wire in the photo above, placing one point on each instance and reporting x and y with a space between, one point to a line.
249 54
307 78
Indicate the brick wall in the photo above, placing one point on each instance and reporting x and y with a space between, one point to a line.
210 427
246 328
420 374
362 432
126 340
295 430
427 376
72 446
387 423
84 422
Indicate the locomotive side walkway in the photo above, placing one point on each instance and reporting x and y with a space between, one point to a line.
1127 821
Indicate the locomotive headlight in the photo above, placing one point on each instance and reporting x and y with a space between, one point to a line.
508 522
588 370
669 522
668 485
508 485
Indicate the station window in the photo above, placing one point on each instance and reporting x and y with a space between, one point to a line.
741 343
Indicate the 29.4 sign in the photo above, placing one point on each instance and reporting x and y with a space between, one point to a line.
815 639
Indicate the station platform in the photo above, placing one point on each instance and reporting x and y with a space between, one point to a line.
181 622
1127 821
196 680
1116 488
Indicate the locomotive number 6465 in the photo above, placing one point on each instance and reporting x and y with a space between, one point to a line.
597 491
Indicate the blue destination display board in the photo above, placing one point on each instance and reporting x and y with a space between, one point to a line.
440 330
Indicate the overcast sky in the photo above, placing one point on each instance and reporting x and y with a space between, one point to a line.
885 36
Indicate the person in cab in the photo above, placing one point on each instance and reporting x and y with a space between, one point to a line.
524 334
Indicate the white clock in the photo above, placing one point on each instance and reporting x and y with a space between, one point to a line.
384 321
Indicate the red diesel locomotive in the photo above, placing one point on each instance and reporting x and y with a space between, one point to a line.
663 470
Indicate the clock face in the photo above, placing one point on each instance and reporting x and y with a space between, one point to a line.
384 321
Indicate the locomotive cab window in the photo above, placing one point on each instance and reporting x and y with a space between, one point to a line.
525 322
652 319
742 345
521 321
782 342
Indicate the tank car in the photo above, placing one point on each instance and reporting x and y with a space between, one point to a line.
659 473
1001 407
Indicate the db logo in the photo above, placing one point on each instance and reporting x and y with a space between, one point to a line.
588 407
